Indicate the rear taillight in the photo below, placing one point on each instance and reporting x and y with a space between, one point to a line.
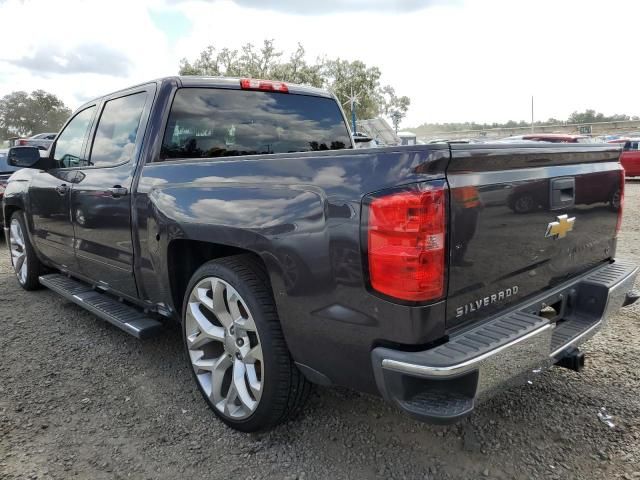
22 142
406 242
265 85
621 203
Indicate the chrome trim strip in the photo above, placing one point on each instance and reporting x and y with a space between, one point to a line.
453 370
614 291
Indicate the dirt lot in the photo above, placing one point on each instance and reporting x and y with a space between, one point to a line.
79 398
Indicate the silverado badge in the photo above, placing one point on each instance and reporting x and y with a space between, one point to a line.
486 301
560 228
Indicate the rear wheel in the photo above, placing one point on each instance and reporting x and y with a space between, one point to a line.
524 204
25 264
236 348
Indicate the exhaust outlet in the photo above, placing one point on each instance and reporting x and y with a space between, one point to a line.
573 360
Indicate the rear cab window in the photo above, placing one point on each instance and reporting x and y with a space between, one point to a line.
209 123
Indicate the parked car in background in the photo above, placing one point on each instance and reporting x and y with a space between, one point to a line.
550 138
5 172
630 157
42 140
454 141
362 140
407 138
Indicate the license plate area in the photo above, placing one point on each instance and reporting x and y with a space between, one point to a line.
556 307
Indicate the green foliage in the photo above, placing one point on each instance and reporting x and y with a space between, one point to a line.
255 63
23 114
393 106
588 116
344 78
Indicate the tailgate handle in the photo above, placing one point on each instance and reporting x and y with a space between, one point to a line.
563 192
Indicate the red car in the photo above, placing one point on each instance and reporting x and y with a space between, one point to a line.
630 157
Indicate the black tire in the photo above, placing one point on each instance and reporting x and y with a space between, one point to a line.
34 267
524 204
285 389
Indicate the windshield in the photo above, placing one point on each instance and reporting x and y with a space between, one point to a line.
4 167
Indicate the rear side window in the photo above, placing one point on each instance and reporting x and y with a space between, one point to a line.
69 147
206 123
115 140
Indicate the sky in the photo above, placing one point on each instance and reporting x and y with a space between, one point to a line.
457 60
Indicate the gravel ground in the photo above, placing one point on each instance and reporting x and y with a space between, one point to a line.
79 398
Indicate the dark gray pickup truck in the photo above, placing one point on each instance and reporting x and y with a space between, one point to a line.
433 275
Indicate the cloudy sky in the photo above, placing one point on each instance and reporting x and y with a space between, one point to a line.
457 60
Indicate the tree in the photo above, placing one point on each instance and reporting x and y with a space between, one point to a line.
255 63
393 106
23 114
343 77
590 116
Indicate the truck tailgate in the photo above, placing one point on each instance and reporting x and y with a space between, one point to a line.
524 218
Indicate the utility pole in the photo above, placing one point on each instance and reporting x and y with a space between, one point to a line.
353 100
353 113
532 124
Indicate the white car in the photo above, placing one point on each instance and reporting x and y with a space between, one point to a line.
42 140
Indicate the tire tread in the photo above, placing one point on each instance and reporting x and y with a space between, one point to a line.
34 266
292 387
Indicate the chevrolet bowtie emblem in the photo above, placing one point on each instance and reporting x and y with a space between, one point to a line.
560 228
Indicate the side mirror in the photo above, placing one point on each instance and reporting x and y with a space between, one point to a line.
23 157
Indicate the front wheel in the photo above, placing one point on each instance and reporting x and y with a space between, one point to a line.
25 264
236 348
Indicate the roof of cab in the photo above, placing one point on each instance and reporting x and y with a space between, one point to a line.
234 83
214 82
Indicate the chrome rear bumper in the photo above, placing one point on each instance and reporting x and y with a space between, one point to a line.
444 383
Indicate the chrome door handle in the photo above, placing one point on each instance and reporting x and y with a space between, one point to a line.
62 189
118 191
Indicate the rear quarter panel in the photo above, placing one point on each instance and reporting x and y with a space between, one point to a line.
301 215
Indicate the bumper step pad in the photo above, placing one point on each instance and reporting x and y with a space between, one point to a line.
439 406
103 305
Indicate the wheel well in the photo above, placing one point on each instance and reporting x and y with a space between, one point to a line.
184 257
8 211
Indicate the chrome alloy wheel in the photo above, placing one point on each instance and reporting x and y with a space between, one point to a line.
224 348
18 250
